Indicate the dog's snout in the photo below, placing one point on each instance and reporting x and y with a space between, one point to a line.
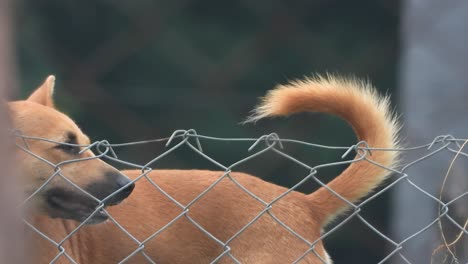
127 187
124 186
113 189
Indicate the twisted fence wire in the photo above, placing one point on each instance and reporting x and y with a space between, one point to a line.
272 143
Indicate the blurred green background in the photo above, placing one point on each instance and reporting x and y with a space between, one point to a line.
133 70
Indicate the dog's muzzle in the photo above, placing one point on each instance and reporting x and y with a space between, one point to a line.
71 203
113 190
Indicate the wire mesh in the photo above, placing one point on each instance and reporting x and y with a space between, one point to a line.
440 145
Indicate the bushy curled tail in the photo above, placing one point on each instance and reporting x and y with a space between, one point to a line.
370 116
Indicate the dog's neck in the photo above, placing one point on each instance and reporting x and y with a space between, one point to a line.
57 230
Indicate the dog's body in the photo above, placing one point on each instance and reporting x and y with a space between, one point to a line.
226 209
223 211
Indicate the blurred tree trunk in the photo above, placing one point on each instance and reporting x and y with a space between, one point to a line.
434 92
11 238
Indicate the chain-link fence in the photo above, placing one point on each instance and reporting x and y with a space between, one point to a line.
54 243
156 66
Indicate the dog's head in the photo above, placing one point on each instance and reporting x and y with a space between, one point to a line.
37 117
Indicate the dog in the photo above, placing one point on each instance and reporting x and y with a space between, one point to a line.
225 209
38 159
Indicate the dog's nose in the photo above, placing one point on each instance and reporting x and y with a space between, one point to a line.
127 190
125 187
119 187
113 189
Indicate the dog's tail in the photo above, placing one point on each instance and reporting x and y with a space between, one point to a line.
358 103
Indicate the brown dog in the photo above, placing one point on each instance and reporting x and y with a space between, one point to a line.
226 209
37 117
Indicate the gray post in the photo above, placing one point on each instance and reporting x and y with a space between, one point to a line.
11 238
434 93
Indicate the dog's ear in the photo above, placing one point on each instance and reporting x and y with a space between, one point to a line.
44 94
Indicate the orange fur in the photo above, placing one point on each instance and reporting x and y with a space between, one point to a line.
225 209
36 117
370 117
44 94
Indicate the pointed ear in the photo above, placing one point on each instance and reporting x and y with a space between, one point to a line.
43 95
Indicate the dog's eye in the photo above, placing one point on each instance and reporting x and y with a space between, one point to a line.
68 148
70 144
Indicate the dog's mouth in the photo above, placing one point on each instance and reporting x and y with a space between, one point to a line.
73 205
